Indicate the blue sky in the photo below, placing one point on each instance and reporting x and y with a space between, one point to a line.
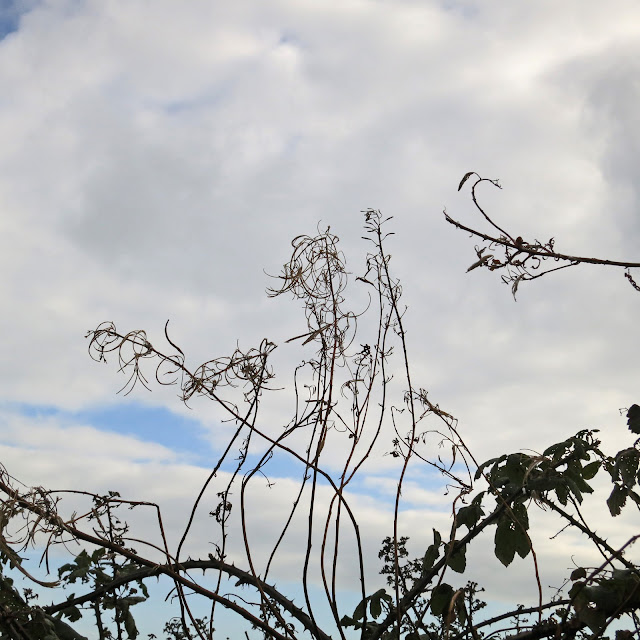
156 163
9 19
10 13
153 424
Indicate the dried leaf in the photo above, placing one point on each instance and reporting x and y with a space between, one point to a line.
466 177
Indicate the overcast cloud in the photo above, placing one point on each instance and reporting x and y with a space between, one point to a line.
157 158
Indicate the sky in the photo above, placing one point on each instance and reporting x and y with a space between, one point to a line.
157 158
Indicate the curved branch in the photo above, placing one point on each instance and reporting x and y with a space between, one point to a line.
211 563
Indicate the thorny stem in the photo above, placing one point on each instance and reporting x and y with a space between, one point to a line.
533 250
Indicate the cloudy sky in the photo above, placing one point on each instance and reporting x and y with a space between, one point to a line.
157 158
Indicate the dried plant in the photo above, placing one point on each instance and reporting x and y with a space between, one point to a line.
353 401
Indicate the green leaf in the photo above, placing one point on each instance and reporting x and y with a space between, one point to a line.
360 609
591 469
522 543
627 462
102 577
375 605
440 599
575 472
573 487
505 542
131 600
516 467
513 491
79 568
143 588
457 561
346 621
469 516
578 574
579 448
430 557
563 494
593 618
73 613
478 499
521 514
432 552
64 569
97 555
633 415
576 587
484 465
130 625
557 450
616 500
634 496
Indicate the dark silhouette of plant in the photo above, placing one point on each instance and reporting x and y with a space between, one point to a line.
347 398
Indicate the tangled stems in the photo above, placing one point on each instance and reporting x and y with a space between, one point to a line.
353 400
